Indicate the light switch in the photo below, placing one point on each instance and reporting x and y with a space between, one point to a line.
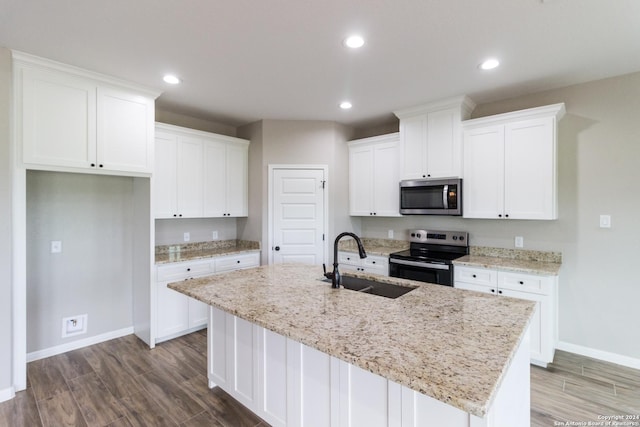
605 221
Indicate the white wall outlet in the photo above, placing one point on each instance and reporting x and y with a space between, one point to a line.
74 325
519 242
214 235
605 221
187 236
390 234
56 246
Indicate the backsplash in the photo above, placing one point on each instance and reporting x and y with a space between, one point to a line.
350 244
519 254
210 245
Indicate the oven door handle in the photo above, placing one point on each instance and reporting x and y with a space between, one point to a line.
445 194
420 264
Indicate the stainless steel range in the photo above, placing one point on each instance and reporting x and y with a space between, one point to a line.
430 256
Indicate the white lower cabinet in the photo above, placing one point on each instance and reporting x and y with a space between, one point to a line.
541 289
178 314
350 261
290 384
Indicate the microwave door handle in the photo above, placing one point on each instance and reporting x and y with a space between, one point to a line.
445 193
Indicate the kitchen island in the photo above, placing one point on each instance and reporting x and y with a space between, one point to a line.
298 352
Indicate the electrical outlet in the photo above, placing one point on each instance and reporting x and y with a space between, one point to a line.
519 242
74 325
390 234
605 221
56 246
214 235
187 236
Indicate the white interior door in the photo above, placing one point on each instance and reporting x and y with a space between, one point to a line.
298 216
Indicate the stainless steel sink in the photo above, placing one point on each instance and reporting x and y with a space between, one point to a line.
373 287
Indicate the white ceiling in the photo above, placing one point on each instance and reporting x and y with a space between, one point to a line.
245 60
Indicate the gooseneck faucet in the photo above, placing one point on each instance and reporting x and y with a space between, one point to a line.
335 274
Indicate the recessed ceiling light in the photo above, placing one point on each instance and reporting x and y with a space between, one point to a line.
489 64
345 105
354 42
171 79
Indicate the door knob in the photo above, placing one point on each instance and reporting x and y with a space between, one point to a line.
277 248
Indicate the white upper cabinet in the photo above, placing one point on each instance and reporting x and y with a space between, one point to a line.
199 174
430 138
510 165
226 177
77 121
374 176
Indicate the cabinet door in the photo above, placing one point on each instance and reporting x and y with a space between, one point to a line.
215 179
237 180
198 313
539 324
174 313
443 144
413 140
219 368
165 176
483 186
530 169
58 119
386 180
190 178
361 175
124 131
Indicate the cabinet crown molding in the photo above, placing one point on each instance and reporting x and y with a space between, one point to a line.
463 102
554 110
173 129
395 136
27 60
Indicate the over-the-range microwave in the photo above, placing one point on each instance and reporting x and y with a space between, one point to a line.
431 197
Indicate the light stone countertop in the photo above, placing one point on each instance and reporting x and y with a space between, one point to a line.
201 250
379 247
450 344
510 264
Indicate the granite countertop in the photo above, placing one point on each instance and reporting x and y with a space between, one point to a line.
450 344
379 247
515 260
192 251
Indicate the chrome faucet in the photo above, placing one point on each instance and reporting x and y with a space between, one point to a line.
335 274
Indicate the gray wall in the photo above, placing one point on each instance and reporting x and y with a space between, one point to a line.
296 142
177 119
171 231
6 322
599 150
93 216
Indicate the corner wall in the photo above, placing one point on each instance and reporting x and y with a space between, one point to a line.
6 235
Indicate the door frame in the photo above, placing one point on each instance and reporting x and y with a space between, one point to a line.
325 169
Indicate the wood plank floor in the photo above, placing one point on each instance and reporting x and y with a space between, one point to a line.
123 383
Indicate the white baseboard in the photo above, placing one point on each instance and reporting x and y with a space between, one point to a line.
618 359
7 394
74 345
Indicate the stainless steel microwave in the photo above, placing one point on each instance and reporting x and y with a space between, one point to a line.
431 197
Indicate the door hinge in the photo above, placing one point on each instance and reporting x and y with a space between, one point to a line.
323 237
323 182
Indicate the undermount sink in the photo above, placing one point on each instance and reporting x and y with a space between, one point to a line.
373 287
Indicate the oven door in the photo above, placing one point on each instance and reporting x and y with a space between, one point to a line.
441 274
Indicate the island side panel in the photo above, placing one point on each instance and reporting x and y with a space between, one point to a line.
301 378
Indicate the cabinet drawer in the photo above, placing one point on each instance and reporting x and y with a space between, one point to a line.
350 258
184 270
237 262
375 262
524 282
476 276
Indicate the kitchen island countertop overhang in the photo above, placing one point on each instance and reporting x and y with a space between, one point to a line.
449 344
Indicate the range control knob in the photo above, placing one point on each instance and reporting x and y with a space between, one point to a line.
413 234
455 237
461 237
418 235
